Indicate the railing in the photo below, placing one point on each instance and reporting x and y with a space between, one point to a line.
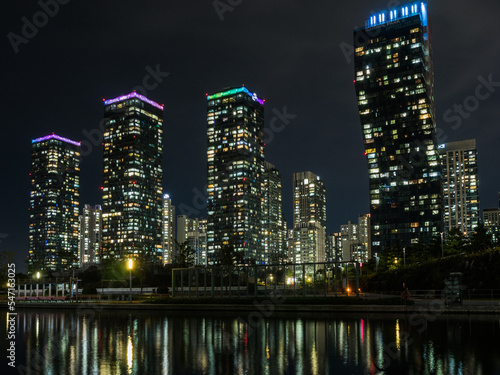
298 280
467 294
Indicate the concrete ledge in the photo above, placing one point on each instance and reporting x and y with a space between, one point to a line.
382 309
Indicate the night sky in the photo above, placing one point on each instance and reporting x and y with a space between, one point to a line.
291 53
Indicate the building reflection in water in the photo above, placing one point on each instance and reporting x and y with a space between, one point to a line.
123 343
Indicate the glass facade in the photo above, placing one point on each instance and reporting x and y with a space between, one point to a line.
309 218
274 225
491 221
395 91
460 185
168 230
90 235
54 204
235 168
132 187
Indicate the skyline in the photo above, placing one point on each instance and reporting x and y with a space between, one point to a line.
320 143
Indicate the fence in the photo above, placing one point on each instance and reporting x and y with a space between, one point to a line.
306 279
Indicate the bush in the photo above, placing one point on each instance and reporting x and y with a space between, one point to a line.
163 289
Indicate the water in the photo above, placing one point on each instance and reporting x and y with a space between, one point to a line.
140 342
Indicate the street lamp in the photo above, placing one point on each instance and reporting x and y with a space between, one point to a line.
37 281
404 256
130 265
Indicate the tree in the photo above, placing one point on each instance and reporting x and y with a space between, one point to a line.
185 255
91 277
6 258
456 242
229 257
481 240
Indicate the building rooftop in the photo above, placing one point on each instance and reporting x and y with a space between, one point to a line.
405 11
235 91
55 136
133 94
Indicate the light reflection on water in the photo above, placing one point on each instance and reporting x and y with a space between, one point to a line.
55 343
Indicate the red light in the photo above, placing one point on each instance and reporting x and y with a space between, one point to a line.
365 153
133 182
102 187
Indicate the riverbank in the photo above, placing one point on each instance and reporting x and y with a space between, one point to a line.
435 307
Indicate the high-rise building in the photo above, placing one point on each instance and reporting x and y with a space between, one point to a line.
290 246
309 218
132 189
350 241
90 235
194 232
197 240
274 225
54 204
394 84
168 230
365 237
491 221
185 225
460 185
335 240
235 168
355 240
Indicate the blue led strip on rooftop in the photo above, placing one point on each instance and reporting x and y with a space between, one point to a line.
409 10
236 91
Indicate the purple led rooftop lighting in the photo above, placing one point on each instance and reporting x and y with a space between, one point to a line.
133 95
55 136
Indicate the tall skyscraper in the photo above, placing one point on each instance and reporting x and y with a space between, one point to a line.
132 188
194 232
90 235
54 203
460 185
184 226
235 168
274 225
350 241
168 230
491 221
335 242
309 218
197 240
395 90
365 238
355 237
